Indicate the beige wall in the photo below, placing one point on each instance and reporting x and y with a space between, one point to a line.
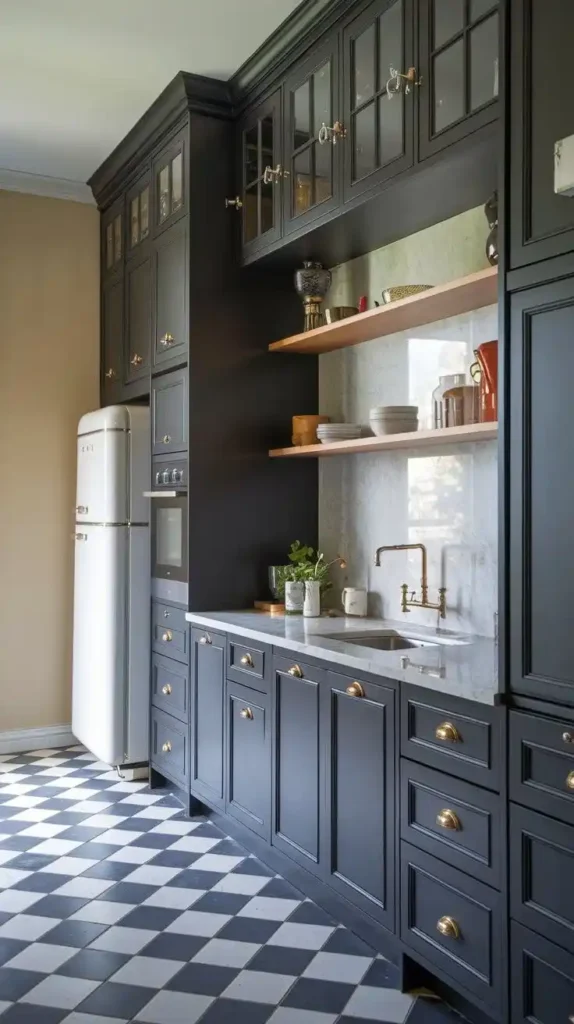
49 359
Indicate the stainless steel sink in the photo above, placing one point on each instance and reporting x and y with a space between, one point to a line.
389 640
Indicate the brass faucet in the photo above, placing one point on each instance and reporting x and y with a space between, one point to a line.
406 602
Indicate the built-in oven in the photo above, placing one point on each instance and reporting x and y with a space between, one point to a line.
168 520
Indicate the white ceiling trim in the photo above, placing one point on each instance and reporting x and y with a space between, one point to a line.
40 185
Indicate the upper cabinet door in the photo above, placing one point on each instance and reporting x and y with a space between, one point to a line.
458 70
541 222
169 178
112 242
313 137
261 175
138 207
171 297
138 282
378 117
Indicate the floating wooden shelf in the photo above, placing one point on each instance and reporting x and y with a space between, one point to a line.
389 442
452 299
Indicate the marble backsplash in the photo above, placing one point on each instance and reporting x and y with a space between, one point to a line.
447 498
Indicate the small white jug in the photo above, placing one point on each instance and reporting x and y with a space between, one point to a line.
354 601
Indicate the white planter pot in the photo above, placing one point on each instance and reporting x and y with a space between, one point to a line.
312 603
294 597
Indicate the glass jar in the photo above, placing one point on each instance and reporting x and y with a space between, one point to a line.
452 380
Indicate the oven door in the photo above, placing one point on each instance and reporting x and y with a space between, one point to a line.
169 537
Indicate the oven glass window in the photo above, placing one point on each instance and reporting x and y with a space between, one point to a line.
169 536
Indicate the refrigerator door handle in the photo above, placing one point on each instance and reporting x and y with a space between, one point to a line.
80 536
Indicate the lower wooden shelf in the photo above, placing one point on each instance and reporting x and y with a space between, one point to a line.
389 442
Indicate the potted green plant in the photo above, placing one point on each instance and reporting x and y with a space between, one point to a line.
305 578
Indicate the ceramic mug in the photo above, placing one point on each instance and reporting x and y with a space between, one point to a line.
354 601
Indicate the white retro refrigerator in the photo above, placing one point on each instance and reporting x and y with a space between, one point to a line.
112 585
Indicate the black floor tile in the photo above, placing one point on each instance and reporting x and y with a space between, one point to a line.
42 881
128 892
281 960
15 983
252 866
248 929
9 948
172 858
94 964
153 918
175 947
235 1011
26 1013
109 869
322 996
190 879
31 861
382 974
203 979
114 1000
344 941
74 933
221 903
57 906
310 913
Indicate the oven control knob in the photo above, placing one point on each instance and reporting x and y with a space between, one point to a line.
158 477
176 476
166 476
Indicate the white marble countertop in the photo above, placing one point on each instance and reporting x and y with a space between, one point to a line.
468 670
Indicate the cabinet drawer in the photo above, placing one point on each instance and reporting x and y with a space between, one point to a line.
170 631
170 746
249 758
249 663
169 412
169 687
542 980
542 764
456 736
453 820
455 922
541 871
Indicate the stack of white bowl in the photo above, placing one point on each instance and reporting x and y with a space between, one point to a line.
394 419
329 432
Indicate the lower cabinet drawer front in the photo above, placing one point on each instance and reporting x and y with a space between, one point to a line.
249 764
452 820
542 987
169 687
170 631
170 746
249 663
542 869
455 922
541 764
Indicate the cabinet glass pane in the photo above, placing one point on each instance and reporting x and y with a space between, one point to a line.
134 221
266 207
364 155
144 213
448 80
480 7
163 194
390 42
323 172
250 214
176 182
109 246
448 20
321 98
118 238
391 133
251 144
266 143
301 116
364 66
484 62
302 182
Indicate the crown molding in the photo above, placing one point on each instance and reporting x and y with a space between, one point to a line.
45 185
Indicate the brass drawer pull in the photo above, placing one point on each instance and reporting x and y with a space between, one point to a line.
167 637
447 732
166 747
166 438
448 819
247 660
296 671
205 639
570 780
355 690
167 340
137 360
236 202
246 713
166 614
110 374
166 690
448 927
567 737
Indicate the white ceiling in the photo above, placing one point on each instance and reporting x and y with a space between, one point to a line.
76 75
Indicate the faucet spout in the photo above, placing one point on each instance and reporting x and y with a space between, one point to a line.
424 601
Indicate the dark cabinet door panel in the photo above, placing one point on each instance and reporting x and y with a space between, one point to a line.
171 297
542 979
541 871
359 717
249 758
260 192
170 687
169 412
169 746
208 716
541 764
112 340
169 182
541 222
112 245
249 663
138 318
541 552
296 761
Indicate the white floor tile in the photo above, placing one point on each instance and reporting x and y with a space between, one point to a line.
10 877
88 1018
259 986
150 874
158 813
175 828
58 772
338 967
149 971
15 901
174 898
87 756
102 912
84 888
301 936
40 753
70 866
51 762
194 844
174 1008
41 956
60 991
106 821
7 855
268 908
140 799
73 796
243 885
123 940
216 862
127 787
288 1015
117 836
382 1004
26 927
34 814
4 1006
43 830
194 922
67 783
132 854
89 806
226 953
22 795
55 847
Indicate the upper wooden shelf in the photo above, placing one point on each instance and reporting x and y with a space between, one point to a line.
390 442
452 299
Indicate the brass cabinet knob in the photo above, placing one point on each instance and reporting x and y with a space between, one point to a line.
205 639
570 780
110 374
166 614
167 636
166 438
448 819
246 713
235 202
567 737
448 927
166 747
355 690
166 690
329 133
137 360
167 340
247 660
296 671
447 732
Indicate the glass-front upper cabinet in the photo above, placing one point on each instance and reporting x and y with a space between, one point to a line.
139 215
380 86
112 246
459 67
312 132
169 184
261 175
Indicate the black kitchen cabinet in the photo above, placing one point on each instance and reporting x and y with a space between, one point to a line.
458 70
169 410
360 722
112 240
541 222
248 791
170 285
540 498
207 707
112 330
261 176
311 119
138 321
542 979
379 121
169 178
139 215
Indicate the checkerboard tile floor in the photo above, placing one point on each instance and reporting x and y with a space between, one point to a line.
115 907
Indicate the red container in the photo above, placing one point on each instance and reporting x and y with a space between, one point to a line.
485 373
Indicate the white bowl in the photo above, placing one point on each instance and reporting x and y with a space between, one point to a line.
394 410
393 426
